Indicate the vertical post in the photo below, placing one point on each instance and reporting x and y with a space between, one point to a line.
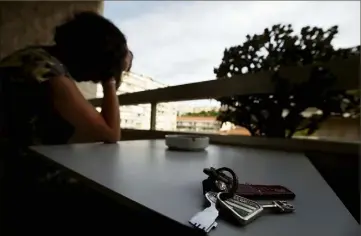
153 115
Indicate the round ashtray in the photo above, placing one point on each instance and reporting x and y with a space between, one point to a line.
186 142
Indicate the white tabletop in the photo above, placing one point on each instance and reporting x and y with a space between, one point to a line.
169 183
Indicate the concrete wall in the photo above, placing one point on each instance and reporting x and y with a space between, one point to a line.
29 23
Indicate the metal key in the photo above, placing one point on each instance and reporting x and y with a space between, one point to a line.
280 207
242 209
206 219
245 210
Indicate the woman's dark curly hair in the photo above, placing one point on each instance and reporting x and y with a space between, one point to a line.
92 47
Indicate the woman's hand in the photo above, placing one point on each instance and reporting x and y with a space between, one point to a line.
127 66
118 82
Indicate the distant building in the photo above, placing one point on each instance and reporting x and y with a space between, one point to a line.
208 125
88 89
138 116
198 124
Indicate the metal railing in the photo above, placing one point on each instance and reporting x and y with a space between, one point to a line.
346 70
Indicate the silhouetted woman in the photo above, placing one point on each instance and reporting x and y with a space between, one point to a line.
41 105
41 102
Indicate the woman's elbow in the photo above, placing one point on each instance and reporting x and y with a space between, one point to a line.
111 141
113 137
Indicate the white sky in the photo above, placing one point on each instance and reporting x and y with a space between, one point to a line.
181 42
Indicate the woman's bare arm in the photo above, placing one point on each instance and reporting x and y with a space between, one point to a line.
110 105
87 121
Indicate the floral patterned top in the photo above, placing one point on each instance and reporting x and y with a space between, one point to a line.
28 117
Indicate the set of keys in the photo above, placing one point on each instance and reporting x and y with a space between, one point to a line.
220 192
242 209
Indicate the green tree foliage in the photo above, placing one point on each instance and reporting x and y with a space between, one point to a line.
280 114
212 113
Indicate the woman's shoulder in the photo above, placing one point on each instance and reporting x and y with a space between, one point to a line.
34 62
26 56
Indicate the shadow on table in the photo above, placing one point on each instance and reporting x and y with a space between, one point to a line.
341 172
77 209
45 208
179 153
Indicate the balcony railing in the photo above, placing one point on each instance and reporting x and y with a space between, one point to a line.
346 70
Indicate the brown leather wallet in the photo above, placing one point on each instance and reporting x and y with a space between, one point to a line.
267 192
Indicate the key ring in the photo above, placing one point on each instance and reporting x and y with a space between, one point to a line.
220 178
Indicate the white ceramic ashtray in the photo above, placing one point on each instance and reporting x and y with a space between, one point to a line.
186 142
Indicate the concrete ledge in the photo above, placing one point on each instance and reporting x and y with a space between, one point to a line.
294 145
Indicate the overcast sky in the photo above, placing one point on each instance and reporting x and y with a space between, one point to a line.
180 42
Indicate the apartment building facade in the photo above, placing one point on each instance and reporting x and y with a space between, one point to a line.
138 116
198 124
